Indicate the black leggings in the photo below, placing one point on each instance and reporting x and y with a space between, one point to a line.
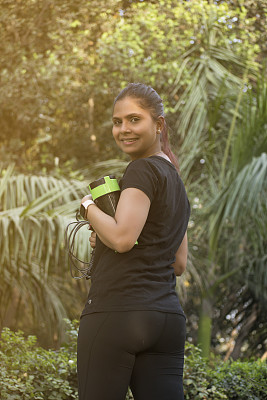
140 349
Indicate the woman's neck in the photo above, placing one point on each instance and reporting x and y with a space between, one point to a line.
160 154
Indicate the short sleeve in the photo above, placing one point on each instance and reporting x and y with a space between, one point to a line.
141 175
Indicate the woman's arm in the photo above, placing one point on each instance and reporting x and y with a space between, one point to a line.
121 232
181 257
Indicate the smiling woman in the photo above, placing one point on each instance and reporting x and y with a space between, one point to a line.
132 329
134 130
149 103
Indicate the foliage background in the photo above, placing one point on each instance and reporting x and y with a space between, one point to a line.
54 376
61 64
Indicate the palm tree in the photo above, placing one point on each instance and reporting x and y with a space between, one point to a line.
241 207
36 286
210 110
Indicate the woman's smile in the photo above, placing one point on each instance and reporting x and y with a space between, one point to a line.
128 141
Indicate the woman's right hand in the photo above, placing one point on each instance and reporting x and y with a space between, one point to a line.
92 240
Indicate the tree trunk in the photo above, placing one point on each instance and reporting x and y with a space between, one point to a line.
246 328
204 327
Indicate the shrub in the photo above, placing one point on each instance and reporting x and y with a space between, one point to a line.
224 380
31 372
197 381
242 380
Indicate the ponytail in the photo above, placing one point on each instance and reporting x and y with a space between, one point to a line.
165 146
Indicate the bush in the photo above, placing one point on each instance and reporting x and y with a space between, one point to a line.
224 380
242 380
198 383
31 372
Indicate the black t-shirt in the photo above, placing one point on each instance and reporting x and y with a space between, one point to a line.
143 278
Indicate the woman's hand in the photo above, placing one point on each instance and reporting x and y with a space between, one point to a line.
92 240
87 197
86 202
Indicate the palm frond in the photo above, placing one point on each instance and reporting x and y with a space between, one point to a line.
257 278
35 212
33 292
108 167
245 196
251 134
29 223
207 80
6 174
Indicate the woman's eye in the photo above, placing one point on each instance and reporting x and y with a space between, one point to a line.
116 122
135 119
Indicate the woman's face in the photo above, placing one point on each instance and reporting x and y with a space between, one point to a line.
134 129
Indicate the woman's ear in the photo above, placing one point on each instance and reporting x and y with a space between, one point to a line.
160 123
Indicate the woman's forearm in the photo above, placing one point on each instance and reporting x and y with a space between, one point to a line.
181 257
121 232
105 226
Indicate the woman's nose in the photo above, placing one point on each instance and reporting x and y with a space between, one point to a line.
125 126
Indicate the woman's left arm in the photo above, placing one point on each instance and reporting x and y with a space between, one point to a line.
181 257
121 232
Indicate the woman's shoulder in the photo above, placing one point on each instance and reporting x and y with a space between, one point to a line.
153 161
154 168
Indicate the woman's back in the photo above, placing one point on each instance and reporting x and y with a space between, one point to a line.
143 278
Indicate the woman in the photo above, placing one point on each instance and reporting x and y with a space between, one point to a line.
132 329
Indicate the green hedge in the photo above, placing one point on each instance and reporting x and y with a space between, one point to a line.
223 380
31 372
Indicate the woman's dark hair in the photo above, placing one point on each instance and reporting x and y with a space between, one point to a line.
149 99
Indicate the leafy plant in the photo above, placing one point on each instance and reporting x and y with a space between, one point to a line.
197 382
34 212
242 380
28 371
31 372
